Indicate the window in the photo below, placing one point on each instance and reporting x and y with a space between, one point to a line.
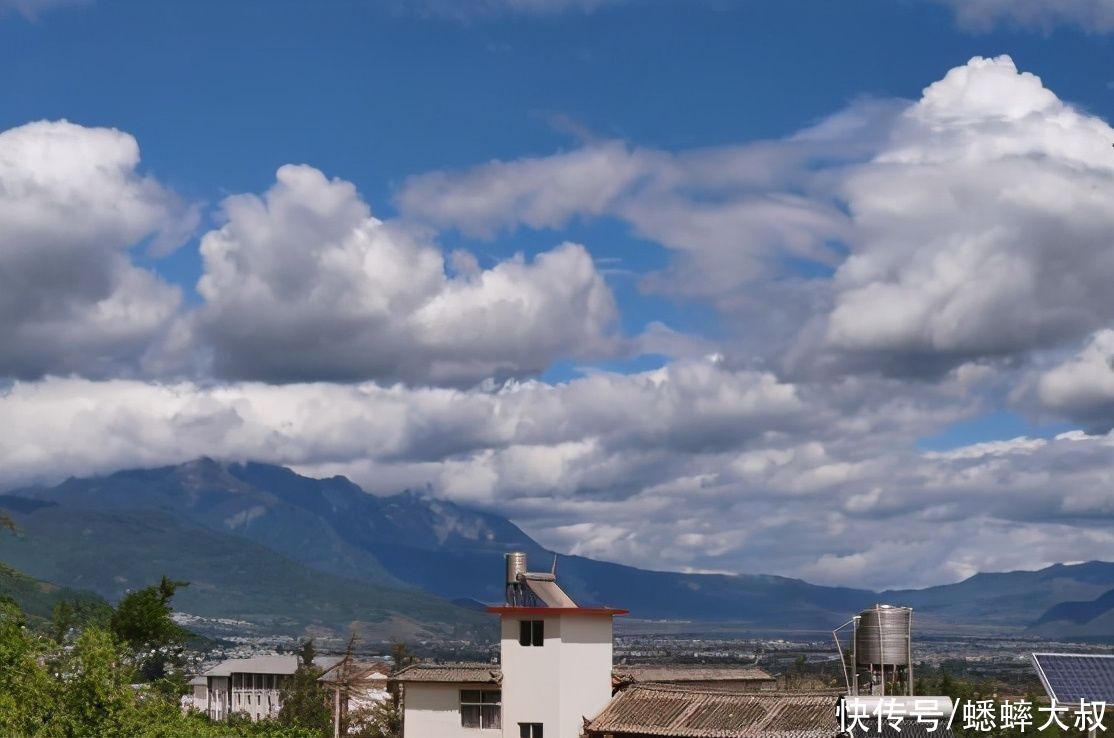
531 632
530 730
481 708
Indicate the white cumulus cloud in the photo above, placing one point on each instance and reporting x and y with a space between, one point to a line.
1082 386
691 467
72 205
303 283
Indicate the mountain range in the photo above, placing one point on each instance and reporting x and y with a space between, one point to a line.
263 545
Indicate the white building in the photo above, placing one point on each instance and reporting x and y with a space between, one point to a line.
250 686
555 670
452 700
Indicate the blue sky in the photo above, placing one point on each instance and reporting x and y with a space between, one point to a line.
374 92
718 249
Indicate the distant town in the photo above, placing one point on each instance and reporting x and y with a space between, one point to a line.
561 670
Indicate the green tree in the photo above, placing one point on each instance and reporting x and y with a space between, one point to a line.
143 622
73 615
84 689
26 689
305 701
95 696
307 653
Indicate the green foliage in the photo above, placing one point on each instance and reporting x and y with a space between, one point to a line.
307 653
71 615
143 619
143 622
26 690
95 696
84 688
305 702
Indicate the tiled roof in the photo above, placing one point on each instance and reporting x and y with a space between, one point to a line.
472 673
681 712
675 673
277 664
909 728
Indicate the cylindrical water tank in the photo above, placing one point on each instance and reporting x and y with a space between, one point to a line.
516 566
882 636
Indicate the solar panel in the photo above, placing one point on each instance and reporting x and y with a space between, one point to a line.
1070 677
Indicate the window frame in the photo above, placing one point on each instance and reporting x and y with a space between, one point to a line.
487 702
531 633
530 730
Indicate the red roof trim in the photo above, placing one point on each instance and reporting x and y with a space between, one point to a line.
599 611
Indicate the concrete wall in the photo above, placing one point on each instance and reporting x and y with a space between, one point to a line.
223 699
258 703
433 711
531 685
560 683
586 653
218 698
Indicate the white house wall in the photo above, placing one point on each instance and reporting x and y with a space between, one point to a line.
561 682
433 711
585 675
530 686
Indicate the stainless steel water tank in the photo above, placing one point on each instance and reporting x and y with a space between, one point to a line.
882 636
516 566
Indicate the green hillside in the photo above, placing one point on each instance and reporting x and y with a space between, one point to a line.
230 577
37 598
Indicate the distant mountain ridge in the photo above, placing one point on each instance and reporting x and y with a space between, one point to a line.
408 546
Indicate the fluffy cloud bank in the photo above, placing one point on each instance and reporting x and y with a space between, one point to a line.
1081 387
72 204
303 283
693 466
982 228
969 225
